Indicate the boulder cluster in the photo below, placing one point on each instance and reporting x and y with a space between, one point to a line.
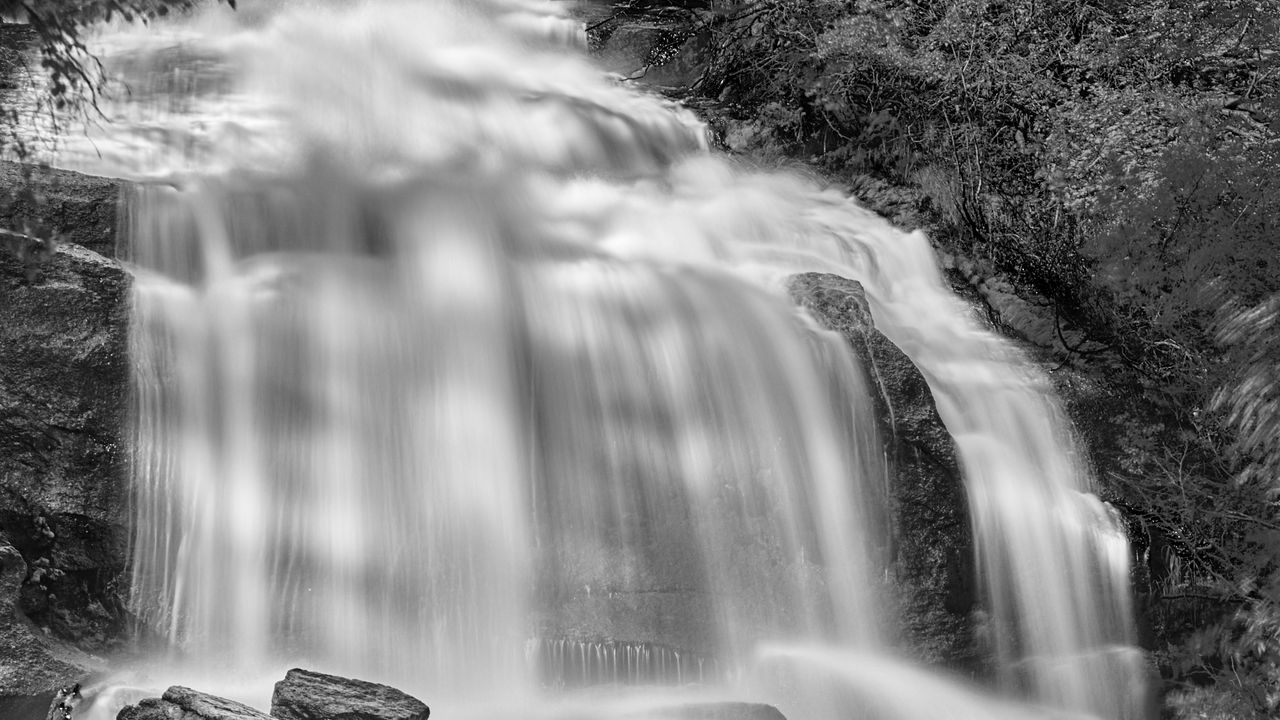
309 695
301 695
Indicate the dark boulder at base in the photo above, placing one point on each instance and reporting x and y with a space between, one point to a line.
931 559
308 695
180 703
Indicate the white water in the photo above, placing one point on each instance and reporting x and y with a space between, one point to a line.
445 342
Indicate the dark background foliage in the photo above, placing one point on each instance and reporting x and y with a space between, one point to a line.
1120 159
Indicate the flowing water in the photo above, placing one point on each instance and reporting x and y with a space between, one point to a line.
464 368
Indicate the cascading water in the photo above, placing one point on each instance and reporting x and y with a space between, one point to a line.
455 358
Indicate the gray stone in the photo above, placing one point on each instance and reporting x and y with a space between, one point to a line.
181 703
931 558
308 695
63 390
81 209
151 709
210 707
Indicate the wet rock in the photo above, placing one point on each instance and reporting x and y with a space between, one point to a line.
63 383
932 546
13 570
31 664
308 695
65 702
40 201
180 703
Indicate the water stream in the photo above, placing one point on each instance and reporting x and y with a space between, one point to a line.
464 368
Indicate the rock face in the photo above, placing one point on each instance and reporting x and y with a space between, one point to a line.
180 703
63 390
30 664
81 209
932 558
308 695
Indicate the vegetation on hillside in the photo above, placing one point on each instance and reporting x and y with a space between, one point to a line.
1120 158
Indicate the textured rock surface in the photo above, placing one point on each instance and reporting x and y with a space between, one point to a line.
151 709
63 382
933 547
82 209
180 703
31 665
308 695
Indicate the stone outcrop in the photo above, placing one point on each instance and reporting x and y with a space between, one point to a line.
180 703
63 395
62 408
308 695
932 543
302 695
42 201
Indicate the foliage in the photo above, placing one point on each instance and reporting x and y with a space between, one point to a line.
33 243
74 77
1239 655
74 83
1121 158
1251 398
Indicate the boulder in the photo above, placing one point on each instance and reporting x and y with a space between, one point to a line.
63 515
43 201
308 695
931 558
151 709
180 703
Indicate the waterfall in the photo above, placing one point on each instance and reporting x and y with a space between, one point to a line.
461 367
